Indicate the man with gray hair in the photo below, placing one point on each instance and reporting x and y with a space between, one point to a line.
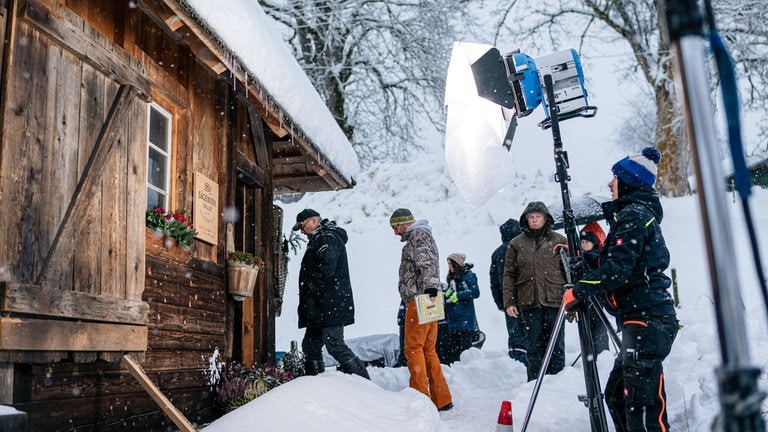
325 295
420 274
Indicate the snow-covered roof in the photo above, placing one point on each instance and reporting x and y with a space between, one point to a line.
251 37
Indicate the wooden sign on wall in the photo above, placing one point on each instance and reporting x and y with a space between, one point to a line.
205 209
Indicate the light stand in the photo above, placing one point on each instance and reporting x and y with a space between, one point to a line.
594 399
739 396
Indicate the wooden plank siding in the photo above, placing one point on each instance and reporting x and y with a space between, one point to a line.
79 284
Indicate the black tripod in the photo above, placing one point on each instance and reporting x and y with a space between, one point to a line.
573 266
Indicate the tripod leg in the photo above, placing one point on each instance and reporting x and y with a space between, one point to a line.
608 326
597 418
544 365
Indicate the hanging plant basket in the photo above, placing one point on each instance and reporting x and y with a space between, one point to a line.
243 270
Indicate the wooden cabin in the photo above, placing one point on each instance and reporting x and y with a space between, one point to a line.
108 109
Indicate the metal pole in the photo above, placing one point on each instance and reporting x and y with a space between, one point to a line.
597 418
739 398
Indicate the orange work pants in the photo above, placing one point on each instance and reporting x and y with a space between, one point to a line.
423 363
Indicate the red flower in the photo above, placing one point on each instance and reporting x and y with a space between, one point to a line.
159 210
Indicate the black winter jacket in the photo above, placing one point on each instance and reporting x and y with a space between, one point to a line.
630 278
325 291
509 230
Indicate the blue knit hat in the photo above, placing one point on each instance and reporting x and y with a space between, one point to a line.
638 170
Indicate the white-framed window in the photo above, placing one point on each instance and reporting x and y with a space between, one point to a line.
159 125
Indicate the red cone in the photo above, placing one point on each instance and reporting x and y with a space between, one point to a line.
505 418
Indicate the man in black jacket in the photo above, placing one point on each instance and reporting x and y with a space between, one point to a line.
515 337
631 282
325 295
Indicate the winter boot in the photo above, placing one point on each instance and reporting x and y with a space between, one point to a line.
519 354
314 367
355 366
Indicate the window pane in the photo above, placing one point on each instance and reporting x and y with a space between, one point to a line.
155 199
156 167
158 130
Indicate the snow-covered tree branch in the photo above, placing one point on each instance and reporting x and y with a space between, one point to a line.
379 65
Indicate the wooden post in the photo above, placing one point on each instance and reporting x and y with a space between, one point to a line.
675 293
175 415
6 383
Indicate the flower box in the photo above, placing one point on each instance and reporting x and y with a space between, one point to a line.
159 245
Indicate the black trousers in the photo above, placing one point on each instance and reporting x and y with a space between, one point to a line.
457 342
635 388
333 339
539 326
516 337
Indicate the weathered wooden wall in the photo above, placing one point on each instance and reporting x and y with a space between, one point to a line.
56 199
59 98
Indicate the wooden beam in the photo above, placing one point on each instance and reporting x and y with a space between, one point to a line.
204 54
173 22
32 299
164 86
161 12
22 334
174 414
303 184
258 136
291 160
111 61
88 185
253 174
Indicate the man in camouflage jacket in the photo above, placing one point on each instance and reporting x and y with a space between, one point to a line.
420 274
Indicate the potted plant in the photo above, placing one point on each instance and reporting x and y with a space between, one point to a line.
174 227
242 273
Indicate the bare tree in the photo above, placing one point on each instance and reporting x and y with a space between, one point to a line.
379 65
640 24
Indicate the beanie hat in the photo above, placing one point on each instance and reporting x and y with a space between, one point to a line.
458 258
638 170
302 216
590 237
401 216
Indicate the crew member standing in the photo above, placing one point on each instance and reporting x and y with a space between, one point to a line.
632 283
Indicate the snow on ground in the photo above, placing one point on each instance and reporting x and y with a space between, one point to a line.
484 378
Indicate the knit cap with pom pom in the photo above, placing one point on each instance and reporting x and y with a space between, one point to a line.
640 169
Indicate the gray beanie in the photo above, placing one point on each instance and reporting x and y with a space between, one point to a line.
401 216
